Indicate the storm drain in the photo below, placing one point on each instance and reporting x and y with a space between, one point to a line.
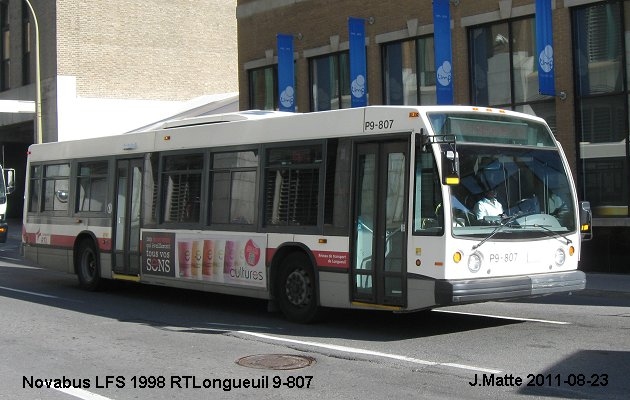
276 361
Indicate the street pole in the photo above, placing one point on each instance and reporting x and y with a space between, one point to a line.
38 83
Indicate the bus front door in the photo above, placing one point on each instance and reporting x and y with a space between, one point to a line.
379 267
127 216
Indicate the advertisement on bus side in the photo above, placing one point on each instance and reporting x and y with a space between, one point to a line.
193 256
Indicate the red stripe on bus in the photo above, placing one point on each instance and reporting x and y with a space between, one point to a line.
270 253
332 259
28 238
64 241
323 259
105 244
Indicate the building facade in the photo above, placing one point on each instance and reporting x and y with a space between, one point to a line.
494 64
109 66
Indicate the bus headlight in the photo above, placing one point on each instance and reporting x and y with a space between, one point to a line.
560 257
474 262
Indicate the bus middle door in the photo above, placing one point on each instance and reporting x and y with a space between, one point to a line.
127 216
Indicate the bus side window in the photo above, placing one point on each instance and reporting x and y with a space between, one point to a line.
56 188
291 188
337 190
181 188
34 190
428 208
233 184
150 191
92 186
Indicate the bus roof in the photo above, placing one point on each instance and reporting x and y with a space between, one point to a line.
252 127
248 115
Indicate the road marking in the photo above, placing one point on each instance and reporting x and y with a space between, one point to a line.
16 265
233 326
545 321
82 394
28 292
355 350
9 258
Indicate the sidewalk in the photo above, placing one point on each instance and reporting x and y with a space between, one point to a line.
601 282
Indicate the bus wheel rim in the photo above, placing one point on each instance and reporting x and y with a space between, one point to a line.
89 265
297 288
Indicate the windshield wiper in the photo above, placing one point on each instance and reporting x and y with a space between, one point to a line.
504 222
550 233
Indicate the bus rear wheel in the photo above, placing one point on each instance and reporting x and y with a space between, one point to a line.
88 267
296 294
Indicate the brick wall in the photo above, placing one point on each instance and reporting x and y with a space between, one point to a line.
150 49
260 20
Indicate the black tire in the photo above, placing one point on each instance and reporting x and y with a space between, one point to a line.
88 266
296 289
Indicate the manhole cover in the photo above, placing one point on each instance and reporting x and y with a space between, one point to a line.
275 361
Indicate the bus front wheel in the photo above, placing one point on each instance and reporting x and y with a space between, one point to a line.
296 289
88 267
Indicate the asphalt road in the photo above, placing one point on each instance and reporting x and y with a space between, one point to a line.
135 342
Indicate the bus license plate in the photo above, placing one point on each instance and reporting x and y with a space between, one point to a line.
509 257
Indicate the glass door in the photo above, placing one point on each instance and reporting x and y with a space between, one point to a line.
127 216
379 237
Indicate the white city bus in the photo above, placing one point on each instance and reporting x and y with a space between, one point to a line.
360 208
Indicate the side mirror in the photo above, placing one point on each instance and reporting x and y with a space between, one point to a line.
450 167
586 220
9 178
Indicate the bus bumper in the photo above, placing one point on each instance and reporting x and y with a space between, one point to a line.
453 292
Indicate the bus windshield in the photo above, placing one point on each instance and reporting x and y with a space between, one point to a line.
528 185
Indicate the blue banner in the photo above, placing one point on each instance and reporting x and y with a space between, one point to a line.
544 48
443 51
286 73
358 80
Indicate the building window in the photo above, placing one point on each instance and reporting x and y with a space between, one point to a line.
181 188
409 72
56 190
233 185
263 88
504 68
601 78
5 71
330 82
292 185
92 186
